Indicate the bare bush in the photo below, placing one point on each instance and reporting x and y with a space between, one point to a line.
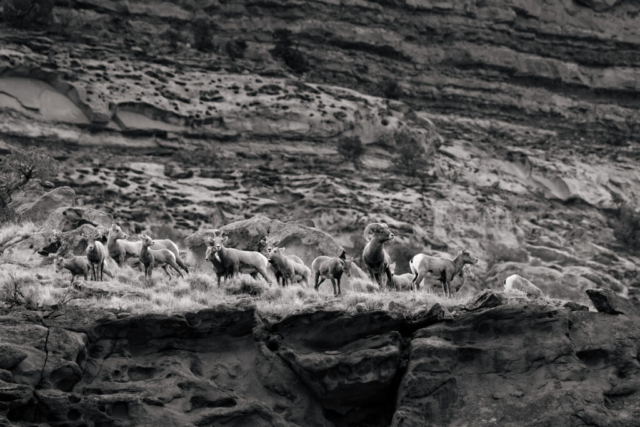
28 13
626 226
20 167
351 149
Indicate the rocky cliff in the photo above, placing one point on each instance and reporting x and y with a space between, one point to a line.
527 111
492 362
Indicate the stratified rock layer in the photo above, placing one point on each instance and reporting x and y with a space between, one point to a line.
519 364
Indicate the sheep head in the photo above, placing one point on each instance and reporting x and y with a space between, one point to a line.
275 253
117 232
392 268
146 240
347 263
57 263
466 257
218 241
380 230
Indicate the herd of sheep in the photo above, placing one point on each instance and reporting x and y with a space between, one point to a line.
287 269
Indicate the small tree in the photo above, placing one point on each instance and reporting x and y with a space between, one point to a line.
20 167
27 13
351 149
235 49
411 153
203 32
285 50
626 227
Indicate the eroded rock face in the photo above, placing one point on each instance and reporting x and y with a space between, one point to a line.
521 365
515 364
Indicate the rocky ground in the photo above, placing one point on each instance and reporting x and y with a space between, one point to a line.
489 362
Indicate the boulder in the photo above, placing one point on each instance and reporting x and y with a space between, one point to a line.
301 240
486 299
68 219
607 301
41 208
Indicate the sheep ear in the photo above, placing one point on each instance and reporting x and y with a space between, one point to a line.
281 249
393 265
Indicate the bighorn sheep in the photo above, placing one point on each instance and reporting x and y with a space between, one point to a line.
288 268
445 269
78 266
403 281
119 248
521 284
268 245
212 257
234 261
97 255
151 258
221 272
332 269
375 257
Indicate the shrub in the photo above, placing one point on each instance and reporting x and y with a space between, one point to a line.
174 37
27 13
196 158
391 89
235 49
200 282
246 286
351 149
410 152
203 31
20 167
285 50
626 226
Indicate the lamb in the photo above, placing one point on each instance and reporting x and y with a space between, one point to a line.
97 255
403 281
519 283
151 258
268 246
233 260
332 269
446 269
289 268
119 248
78 266
375 257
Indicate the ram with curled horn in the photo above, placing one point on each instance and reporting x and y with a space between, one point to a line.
375 258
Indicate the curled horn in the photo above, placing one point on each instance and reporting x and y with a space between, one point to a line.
368 229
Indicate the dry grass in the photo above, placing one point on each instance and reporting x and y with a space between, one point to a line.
129 291
16 231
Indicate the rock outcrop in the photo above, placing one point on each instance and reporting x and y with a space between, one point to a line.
511 364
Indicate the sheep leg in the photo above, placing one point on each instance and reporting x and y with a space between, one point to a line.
417 279
173 264
263 273
317 283
335 289
338 277
390 278
448 282
372 275
102 271
164 267
181 264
